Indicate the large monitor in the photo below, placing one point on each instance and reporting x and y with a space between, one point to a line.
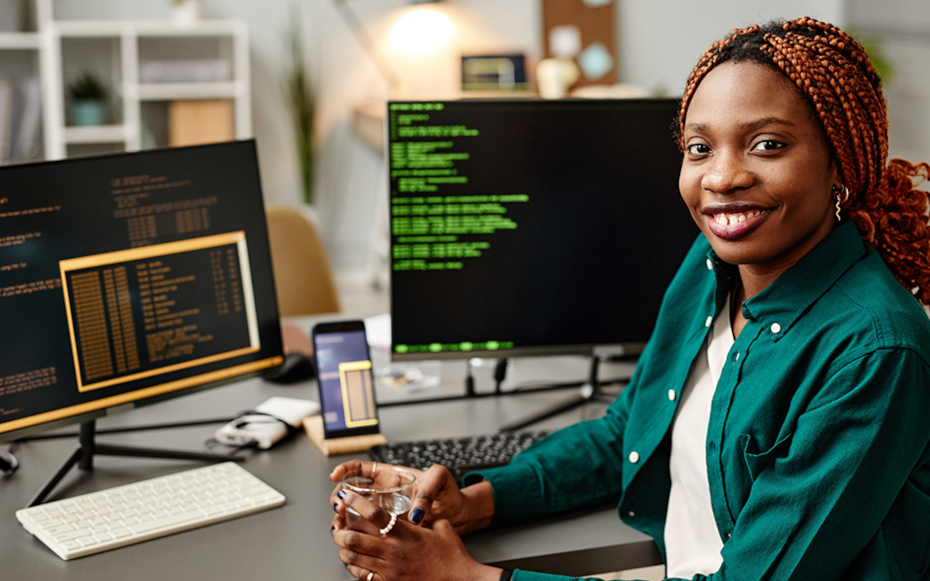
130 278
531 227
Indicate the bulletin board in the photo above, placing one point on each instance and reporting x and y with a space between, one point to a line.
588 29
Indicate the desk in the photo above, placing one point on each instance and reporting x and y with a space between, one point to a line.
293 541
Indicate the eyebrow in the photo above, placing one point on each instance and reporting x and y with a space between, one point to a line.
748 125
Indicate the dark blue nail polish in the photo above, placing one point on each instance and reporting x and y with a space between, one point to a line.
341 494
336 506
417 515
332 529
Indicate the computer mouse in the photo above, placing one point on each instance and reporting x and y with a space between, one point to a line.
296 367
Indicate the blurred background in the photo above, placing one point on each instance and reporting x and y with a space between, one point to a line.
323 69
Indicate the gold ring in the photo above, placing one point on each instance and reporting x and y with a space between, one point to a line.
371 575
374 472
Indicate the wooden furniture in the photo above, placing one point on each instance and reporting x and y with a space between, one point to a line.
302 272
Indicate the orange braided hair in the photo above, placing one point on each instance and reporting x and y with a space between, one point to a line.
834 76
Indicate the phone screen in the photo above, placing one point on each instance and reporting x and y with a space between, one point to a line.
344 374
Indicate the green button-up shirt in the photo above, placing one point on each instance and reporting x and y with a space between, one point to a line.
817 447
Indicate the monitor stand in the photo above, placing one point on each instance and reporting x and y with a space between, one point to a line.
590 391
87 448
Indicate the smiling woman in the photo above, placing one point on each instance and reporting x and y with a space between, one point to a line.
776 427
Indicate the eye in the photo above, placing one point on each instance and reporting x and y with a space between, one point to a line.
698 149
768 145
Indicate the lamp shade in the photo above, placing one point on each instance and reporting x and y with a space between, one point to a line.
421 30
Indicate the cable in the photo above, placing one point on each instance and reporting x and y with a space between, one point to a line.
500 372
469 380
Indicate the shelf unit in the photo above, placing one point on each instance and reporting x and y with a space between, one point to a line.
127 43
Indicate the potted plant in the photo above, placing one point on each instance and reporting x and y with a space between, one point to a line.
89 100
301 103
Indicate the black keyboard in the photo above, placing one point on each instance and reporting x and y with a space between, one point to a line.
459 455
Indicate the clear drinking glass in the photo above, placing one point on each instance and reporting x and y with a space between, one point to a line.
389 487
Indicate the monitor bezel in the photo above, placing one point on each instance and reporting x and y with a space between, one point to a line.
255 367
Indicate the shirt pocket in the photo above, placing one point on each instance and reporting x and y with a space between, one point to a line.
755 462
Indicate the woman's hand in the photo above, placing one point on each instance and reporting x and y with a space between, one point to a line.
406 552
437 497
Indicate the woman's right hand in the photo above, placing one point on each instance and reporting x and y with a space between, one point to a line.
437 496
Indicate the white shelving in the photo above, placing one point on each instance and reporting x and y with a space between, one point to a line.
129 44
19 41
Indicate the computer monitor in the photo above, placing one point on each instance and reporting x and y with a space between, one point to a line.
129 279
531 227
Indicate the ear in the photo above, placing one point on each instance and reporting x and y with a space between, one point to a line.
836 175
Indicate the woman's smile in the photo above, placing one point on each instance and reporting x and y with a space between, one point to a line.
733 221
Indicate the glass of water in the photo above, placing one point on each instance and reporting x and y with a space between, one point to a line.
389 487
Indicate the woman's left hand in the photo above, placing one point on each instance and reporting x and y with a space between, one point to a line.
406 552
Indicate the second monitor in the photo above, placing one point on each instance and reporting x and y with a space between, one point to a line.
529 227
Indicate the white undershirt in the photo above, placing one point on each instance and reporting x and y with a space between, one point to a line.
692 542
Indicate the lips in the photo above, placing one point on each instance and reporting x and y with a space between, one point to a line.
733 221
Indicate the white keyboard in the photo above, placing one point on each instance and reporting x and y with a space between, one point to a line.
137 512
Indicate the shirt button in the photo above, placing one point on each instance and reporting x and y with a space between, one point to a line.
631 514
736 357
709 321
671 395
776 328
634 457
710 264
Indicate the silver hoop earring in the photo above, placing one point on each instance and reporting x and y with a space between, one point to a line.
836 194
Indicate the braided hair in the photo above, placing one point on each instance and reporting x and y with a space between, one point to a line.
834 76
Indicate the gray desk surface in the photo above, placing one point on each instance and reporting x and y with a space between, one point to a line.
293 541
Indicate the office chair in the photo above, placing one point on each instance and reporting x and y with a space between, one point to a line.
302 273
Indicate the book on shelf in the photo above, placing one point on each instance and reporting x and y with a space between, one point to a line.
6 120
26 135
185 71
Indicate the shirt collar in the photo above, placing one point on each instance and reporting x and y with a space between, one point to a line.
784 300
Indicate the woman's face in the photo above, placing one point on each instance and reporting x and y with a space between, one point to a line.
757 171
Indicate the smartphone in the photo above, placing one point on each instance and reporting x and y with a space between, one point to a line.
345 379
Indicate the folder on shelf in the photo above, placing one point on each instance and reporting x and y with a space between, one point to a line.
194 122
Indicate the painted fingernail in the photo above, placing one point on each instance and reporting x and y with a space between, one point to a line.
417 515
336 506
341 494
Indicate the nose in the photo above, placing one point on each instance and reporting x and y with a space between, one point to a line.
726 174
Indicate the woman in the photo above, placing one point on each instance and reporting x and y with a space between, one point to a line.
777 425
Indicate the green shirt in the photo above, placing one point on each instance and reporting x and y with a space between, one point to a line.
817 447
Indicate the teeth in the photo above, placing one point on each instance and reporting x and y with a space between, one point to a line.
733 219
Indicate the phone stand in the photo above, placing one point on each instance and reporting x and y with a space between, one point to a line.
334 446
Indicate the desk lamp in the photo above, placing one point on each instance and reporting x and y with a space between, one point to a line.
421 30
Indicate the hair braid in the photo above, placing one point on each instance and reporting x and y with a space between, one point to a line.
834 76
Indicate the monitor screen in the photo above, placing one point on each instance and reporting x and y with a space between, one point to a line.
531 227
130 278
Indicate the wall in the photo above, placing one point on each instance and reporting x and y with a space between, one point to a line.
659 42
903 27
